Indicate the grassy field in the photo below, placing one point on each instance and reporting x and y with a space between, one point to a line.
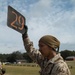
21 70
27 70
71 66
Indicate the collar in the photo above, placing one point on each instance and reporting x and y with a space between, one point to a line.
55 58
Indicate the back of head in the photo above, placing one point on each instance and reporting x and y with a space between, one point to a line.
51 41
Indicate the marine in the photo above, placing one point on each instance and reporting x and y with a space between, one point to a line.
47 56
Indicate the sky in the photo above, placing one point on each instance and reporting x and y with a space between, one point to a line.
43 17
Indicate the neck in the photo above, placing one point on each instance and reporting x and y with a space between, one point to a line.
51 55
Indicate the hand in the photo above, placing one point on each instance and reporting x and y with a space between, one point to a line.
26 30
3 70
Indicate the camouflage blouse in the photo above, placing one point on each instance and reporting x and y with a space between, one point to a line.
54 66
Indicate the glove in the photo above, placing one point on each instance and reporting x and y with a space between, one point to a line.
3 70
25 34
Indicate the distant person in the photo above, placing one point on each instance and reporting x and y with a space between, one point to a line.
48 56
2 70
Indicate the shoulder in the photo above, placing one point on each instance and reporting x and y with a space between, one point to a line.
61 64
61 68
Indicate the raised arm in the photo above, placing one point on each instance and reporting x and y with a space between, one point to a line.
32 52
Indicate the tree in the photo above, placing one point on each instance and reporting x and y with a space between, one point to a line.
11 58
14 56
67 53
25 55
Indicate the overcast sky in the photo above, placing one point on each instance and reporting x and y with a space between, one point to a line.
52 17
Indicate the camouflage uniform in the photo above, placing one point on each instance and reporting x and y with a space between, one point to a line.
54 66
2 70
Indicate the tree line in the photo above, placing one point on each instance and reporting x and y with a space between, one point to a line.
13 57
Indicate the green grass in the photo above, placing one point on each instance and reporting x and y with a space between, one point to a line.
71 63
73 71
29 70
21 70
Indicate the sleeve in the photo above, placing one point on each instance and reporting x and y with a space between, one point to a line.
2 70
32 52
61 69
